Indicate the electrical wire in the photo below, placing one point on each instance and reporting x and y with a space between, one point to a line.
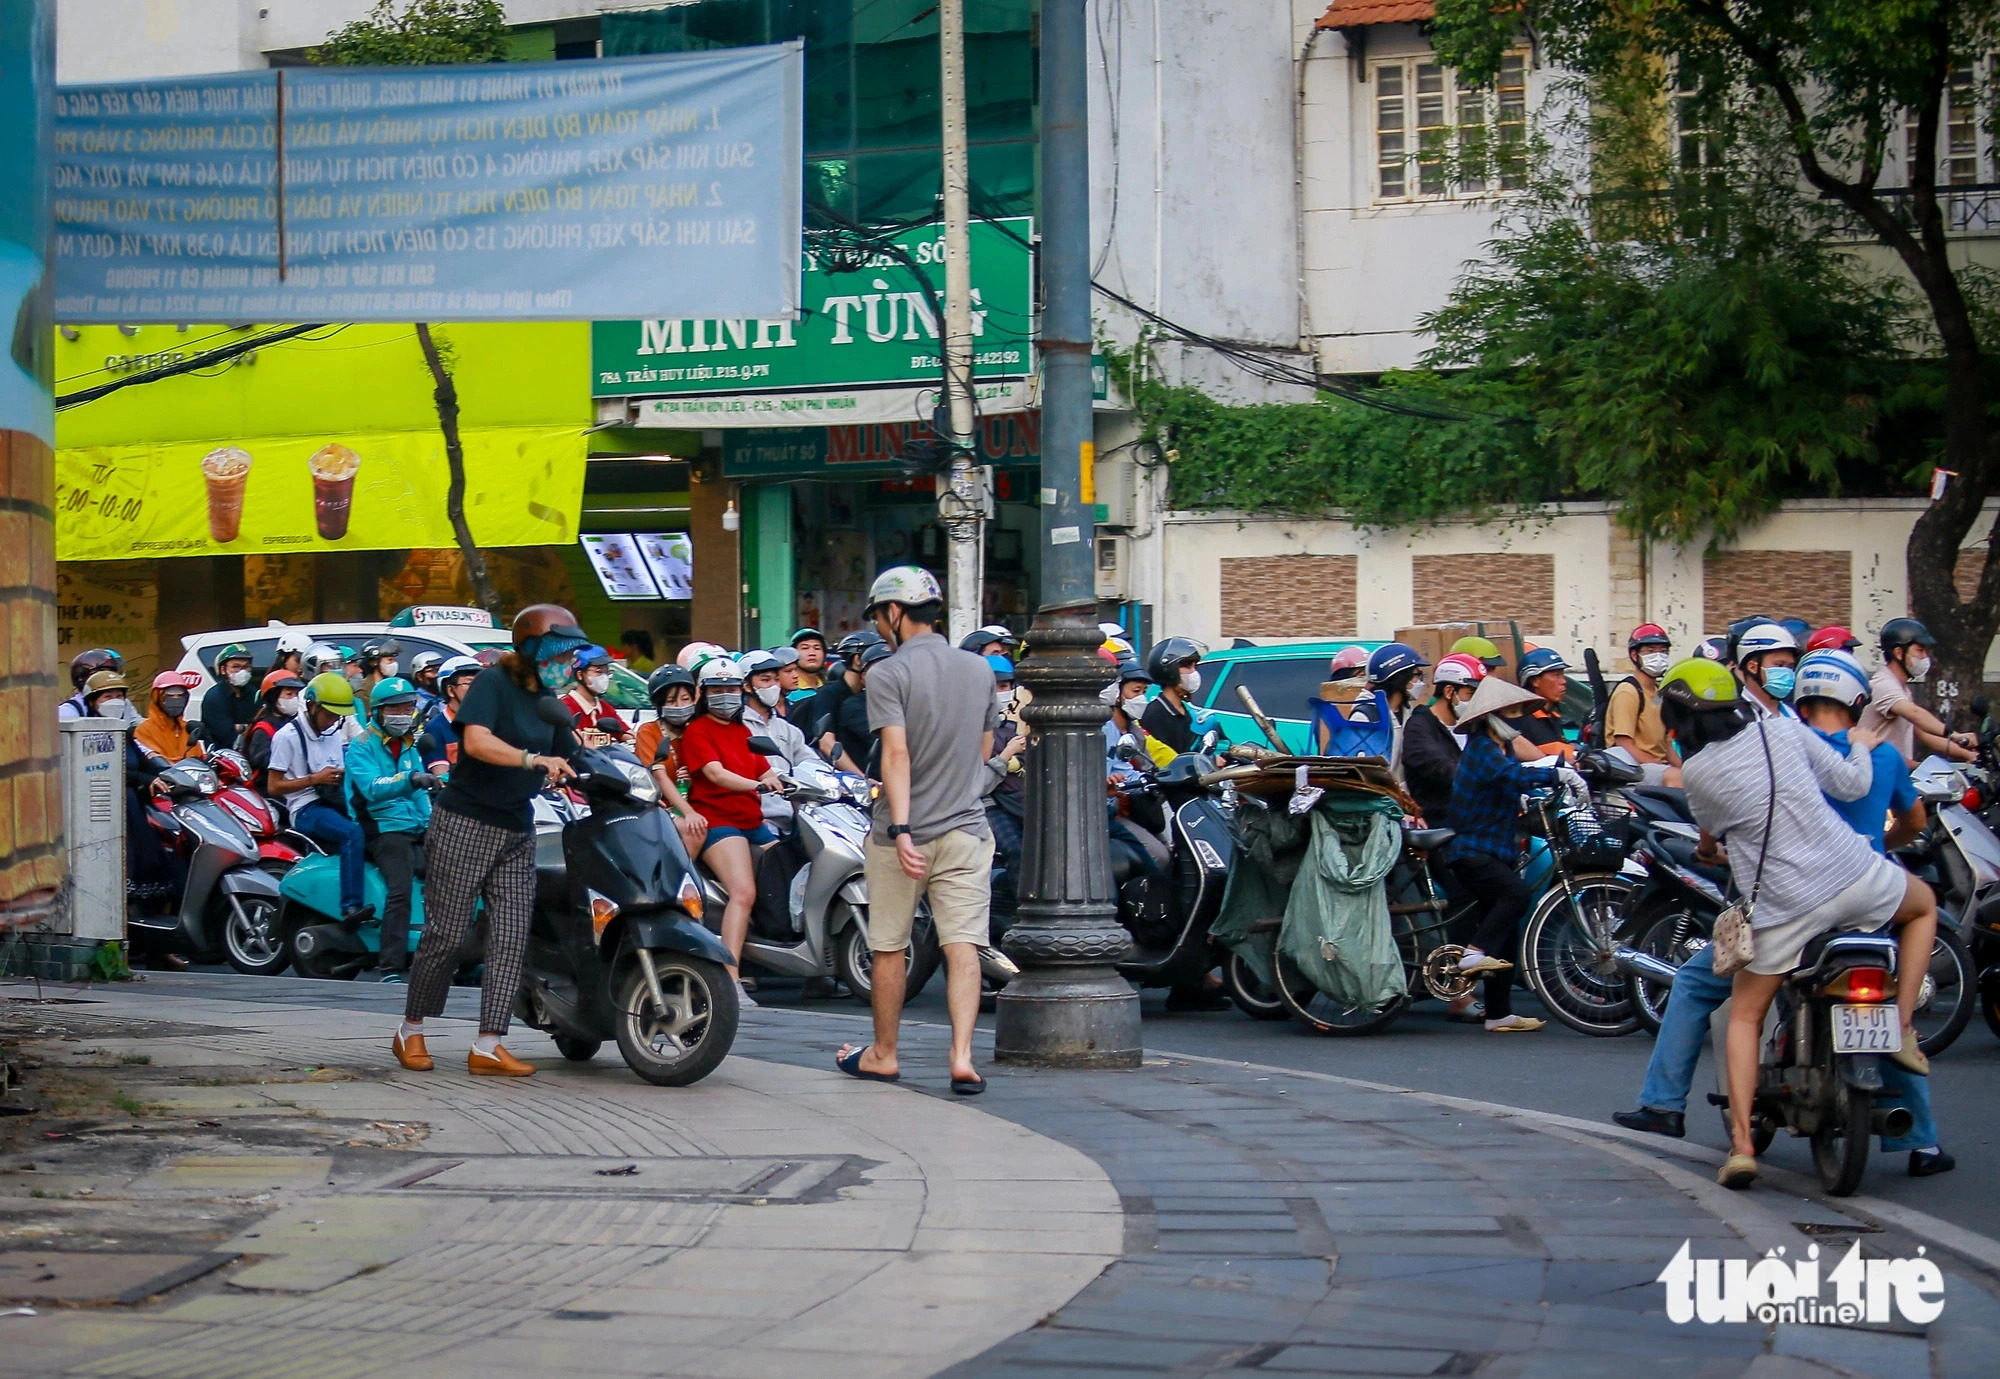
205 360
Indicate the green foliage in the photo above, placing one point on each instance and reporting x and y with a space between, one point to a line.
1312 459
108 963
424 32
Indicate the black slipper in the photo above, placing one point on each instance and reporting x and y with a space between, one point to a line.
969 1086
851 1065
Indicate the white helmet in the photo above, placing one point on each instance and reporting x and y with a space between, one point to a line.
319 658
1763 637
909 585
695 651
1833 675
757 660
718 670
290 643
459 665
423 661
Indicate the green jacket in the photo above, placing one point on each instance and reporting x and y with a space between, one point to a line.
379 793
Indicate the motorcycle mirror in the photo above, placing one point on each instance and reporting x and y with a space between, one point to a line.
551 711
1127 742
1209 739
764 747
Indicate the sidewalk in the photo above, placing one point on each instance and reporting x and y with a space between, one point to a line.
1192 1218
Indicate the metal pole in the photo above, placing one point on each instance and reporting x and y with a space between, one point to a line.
1069 1007
961 507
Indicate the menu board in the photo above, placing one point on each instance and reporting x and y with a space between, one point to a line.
670 557
620 567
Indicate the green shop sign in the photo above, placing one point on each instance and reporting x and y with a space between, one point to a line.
870 326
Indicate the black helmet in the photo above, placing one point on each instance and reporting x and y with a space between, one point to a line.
664 679
1164 661
1905 632
377 649
88 663
875 651
850 646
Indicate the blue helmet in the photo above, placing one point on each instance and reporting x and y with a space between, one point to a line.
1392 659
1540 661
592 656
1003 669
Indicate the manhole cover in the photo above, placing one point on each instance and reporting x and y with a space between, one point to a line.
692 1178
80 1277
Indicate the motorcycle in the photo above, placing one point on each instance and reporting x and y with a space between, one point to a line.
616 946
1819 1071
1672 913
1168 915
229 900
1960 856
252 942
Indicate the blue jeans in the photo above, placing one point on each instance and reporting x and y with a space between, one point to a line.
1697 994
326 825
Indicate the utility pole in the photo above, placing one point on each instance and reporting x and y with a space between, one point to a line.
1069 1007
962 506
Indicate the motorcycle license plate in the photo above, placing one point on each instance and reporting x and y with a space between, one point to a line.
1865 1029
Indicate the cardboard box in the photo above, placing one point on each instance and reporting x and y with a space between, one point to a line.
1435 640
1343 691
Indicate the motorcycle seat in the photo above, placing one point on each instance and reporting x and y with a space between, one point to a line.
1820 947
1661 801
1428 839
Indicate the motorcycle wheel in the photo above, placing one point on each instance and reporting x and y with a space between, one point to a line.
1954 989
1674 938
577 1050
1840 1145
1322 1014
326 964
251 942
1252 996
855 961
1567 953
687 1042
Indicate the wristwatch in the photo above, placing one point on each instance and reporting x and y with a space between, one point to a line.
898 831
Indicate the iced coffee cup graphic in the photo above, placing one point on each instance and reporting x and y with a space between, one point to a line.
225 470
333 469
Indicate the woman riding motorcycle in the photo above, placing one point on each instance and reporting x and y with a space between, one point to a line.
727 779
278 703
658 748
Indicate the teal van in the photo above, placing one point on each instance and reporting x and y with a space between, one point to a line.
1284 680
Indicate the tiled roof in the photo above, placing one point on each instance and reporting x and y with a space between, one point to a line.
1349 14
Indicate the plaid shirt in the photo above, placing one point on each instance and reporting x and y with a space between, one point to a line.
1485 798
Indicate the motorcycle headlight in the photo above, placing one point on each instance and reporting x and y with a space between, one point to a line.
640 782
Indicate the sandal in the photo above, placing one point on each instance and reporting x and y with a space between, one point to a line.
850 1063
1738 1173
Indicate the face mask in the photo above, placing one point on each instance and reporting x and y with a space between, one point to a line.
109 708
725 704
354 678
1503 730
1779 681
289 705
678 715
386 669
239 678
768 696
1918 666
398 725
554 674
174 705
1416 689
1655 663
1004 698
1190 682
597 684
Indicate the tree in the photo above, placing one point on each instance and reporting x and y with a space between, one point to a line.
423 33
1824 91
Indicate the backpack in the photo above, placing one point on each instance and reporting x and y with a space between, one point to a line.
1593 734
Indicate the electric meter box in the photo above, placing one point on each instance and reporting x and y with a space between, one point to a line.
1117 492
93 794
1114 561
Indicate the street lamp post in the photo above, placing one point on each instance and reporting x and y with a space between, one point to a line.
1069 1007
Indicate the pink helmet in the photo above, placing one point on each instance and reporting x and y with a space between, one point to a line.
1350 662
1459 669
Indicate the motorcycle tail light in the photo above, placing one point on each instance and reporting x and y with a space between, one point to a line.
1862 984
603 909
688 897
1972 798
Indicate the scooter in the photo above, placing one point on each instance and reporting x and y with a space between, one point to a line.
616 947
1168 916
228 900
1671 914
1960 856
1819 1071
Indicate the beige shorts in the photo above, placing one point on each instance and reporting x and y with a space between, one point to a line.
959 882
1868 904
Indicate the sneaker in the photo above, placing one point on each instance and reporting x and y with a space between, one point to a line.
391 979
1515 1024
1923 1164
1672 1124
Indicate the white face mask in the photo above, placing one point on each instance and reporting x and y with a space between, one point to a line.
239 678
289 705
386 669
1416 689
597 684
767 695
1004 699
1655 663
1918 666
1190 682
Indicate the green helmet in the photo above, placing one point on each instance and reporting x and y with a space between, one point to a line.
1700 685
331 692
1480 648
389 691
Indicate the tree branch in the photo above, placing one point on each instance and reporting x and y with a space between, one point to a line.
445 395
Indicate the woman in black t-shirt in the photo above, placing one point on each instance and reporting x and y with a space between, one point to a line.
481 842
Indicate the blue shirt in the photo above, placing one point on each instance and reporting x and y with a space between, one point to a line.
1486 798
1891 793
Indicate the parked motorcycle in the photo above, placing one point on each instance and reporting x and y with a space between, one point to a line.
1819 1071
616 947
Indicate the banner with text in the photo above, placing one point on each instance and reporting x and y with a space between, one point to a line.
273 494
869 325
549 190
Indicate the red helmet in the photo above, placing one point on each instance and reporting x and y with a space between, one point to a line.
1832 638
1459 669
1648 634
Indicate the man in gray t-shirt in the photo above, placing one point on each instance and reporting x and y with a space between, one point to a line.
932 705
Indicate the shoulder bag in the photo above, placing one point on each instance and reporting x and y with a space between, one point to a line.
1735 942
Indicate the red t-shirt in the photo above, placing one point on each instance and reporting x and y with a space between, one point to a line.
705 740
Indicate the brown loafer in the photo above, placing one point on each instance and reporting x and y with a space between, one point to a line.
498 1063
411 1052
